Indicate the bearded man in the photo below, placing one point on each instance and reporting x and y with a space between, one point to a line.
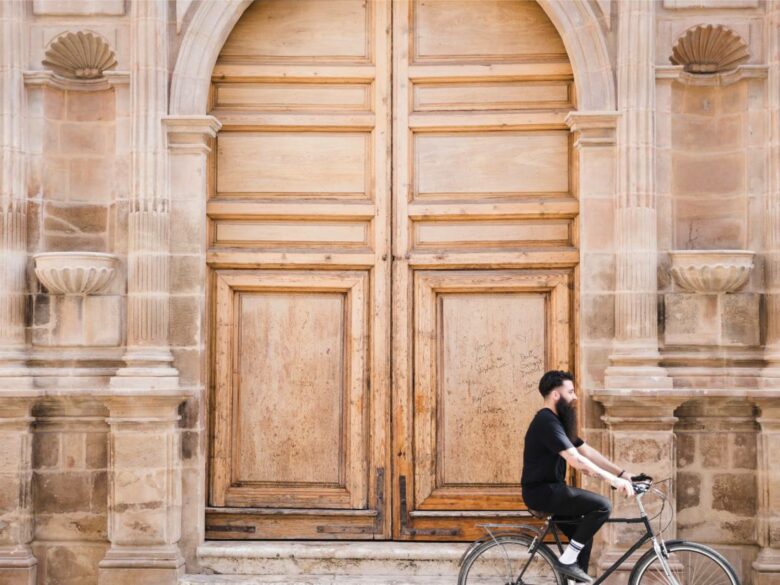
550 443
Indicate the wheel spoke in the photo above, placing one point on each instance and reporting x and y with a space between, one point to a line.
500 561
689 566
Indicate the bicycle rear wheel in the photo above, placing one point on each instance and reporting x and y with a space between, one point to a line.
690 564
506 560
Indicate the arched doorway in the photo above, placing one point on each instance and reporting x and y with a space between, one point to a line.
393 245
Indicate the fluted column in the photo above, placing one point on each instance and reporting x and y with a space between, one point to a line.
772 215
13 204
634 361
148 354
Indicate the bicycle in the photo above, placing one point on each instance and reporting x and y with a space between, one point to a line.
518 555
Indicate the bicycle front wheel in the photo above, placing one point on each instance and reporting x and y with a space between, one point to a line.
689 563
507 560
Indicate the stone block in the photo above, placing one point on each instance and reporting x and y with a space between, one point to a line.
102 320
730 319
75 219
93 106
97 450
18 575
688 490
740 319
10 488
735 493
12 452
686 449
185 320
706 224
73 455
743 451
91 180
53 103
55 492
139 525
597 316
714 450
73 564
46 450
140 486
68 320
690 319
138 450
79 526
694 174
85 138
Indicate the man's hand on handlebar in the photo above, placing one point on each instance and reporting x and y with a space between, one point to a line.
623 486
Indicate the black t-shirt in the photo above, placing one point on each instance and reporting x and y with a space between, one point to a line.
545 438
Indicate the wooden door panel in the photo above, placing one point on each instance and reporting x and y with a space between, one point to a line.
299 216
485 249
483 340
291 429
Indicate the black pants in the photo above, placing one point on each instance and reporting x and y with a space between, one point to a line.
579 513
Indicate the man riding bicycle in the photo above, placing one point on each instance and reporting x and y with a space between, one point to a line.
550 443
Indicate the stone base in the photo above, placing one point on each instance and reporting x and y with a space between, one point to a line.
18 568
766 568
17 576
139 566
313 580
139 576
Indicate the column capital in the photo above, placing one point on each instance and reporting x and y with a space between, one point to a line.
190 134
639 410
594 128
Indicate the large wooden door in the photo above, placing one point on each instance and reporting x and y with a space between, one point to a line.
358 191
484 250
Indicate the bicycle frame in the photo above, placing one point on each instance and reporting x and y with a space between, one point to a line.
658 544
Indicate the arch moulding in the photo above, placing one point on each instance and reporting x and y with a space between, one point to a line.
213 21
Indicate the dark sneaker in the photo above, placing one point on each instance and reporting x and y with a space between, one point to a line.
573 572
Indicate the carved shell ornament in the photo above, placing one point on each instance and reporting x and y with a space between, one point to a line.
80 55
709 49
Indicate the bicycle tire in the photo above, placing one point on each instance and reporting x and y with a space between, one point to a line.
688 560
522 541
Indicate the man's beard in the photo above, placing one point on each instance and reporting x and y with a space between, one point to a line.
567 412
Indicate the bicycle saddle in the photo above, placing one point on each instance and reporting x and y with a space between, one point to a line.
539 514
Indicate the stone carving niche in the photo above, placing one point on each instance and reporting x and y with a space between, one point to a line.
78 315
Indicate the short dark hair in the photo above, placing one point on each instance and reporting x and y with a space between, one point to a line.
552 380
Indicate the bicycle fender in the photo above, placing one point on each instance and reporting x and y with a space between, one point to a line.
521 529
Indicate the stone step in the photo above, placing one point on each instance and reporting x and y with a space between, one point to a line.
313 580
399 560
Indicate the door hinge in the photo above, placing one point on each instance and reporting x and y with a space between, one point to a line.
228 528
406 531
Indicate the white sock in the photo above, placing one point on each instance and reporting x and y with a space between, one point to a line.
571 553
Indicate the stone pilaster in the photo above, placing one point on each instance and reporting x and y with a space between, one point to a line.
640 437
148 353
772 215
144 492
634 361
190 139
767 566
13 185
17 563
